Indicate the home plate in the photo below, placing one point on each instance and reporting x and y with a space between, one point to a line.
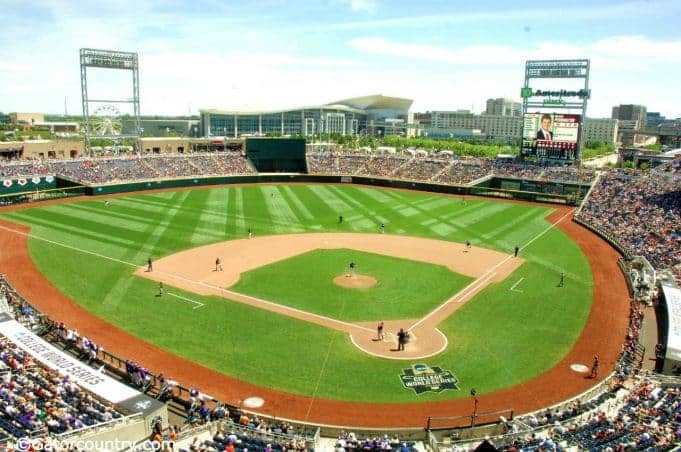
253 402
581 368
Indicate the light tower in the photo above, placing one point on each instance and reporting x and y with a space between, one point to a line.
114 60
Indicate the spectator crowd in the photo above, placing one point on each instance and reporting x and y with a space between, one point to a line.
438 168
36 400
642 213
104 170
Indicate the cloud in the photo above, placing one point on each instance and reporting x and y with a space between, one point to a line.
624 69
477 54
251 64
368 6
498 14
617 51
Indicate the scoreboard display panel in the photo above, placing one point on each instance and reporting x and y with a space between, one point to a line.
551 135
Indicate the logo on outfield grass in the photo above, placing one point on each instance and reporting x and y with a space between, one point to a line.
423 378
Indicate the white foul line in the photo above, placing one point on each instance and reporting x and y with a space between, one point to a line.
236 295
92 253
513 287
551 226
488 274
197 303
348 326
471 287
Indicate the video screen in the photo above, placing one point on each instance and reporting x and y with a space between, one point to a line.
551 135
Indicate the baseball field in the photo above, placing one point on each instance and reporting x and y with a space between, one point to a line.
497 330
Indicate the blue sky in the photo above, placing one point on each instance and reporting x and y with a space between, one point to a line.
269 54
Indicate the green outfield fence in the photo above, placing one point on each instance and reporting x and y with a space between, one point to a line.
559 193
42 195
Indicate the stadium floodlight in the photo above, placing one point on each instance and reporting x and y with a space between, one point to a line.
104 122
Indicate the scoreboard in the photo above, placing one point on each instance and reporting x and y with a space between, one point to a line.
562 141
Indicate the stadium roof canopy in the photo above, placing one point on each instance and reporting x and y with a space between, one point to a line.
376 101
354 105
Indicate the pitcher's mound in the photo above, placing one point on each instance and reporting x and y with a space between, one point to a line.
355 281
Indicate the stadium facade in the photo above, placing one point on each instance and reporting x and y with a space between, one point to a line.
374 115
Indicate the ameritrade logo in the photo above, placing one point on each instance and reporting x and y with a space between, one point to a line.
423 378
26 444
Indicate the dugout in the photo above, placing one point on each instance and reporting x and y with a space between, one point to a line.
277 155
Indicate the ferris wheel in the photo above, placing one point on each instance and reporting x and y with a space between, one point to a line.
105 121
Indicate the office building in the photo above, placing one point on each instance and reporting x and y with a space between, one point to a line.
503 107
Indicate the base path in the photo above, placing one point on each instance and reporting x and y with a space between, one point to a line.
604 332
196 270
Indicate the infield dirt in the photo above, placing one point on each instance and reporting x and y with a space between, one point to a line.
194 270
604 333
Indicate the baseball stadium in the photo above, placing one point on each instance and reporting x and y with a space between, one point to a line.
277 295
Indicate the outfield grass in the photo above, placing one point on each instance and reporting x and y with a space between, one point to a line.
405 289
499 339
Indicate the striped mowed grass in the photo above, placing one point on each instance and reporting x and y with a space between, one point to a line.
500 338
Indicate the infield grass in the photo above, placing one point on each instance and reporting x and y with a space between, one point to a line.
405 289
498 339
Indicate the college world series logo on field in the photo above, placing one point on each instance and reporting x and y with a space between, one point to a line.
423 378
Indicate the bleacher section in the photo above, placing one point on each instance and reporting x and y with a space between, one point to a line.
646 416
439 169
133 168
36 400
643 213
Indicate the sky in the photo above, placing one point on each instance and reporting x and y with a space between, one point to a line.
272 54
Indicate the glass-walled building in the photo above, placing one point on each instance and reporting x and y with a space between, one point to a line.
369 115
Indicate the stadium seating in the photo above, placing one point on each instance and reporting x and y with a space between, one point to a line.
642 212
36 400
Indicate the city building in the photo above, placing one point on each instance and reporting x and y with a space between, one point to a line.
26 118
488 127
654 119
162 127
602 130
369 115
43 149
503 107
423 120
464 124
670 132
632 119
631 113
185 145
27 121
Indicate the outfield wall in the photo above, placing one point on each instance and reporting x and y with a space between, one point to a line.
15 185
605 236
488 188
549 192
